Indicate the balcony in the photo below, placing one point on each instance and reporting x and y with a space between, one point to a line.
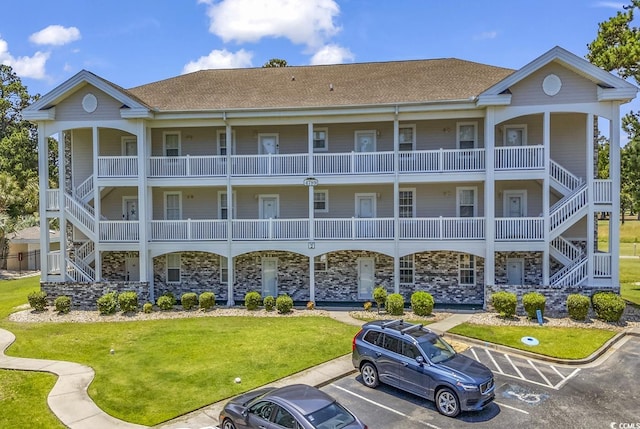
325 164
520 229
119 231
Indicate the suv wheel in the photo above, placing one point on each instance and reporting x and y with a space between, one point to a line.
447 402
369 375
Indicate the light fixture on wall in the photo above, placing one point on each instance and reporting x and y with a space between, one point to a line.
378 133
446 193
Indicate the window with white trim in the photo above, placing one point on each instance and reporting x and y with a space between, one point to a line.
173 267
223 205
129 145
320 263
321 201
466 202
173 205
406 202
224 270
171 143
222 142
515 135
407 269
407 138
467 270
320 139
467 135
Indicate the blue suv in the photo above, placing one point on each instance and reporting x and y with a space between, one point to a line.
413 358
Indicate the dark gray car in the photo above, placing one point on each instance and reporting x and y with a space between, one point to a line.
297 406
413 358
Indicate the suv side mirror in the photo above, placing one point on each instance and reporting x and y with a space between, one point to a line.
420 360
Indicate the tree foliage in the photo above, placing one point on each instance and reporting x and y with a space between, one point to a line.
275 62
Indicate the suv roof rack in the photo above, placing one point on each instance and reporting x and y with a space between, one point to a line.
392 322
411 328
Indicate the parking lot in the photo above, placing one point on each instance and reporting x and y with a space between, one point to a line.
529 393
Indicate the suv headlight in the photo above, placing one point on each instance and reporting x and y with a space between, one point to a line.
468 386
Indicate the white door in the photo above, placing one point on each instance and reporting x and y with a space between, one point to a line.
268 207
365 206
132 268
268 144
515 271
366 277
131 209
365 141
514 204
130 147
270 277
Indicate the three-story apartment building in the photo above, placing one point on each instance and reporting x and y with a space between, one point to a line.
323 182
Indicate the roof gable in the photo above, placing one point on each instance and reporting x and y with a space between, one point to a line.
610 87
44 108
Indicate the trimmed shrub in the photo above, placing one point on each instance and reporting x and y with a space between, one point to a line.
505 303
608 306
147 307
38 300
62 304
189 300
532 302
422 303
380 296
284 304
269 303
252 300
367 306
578 306
128 302
107 303
166 302
207 300
395 304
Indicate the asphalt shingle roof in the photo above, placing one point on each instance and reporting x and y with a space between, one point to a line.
363 84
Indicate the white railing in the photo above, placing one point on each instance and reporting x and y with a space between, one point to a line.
53 262
268 165
77 273
83 252
182 230
117 166
571 275
270 229
602 191
564 176
85 189
52 199
354 228
82 213
187 166
519 157
567 207
120 230
565 247
520 228
602 265
443 160
87 270
353 163
442 228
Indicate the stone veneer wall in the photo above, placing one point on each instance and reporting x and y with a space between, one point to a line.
199 272
532 266
556 296
84 295
438 274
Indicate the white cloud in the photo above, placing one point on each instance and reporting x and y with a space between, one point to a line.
332 54
306 22
610 4
486 35
220 59
32 67
56 35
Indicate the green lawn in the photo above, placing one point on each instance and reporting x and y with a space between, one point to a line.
563 343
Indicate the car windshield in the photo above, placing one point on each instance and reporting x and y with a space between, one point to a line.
333 416
436 349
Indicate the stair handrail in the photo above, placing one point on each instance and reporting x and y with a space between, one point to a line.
564 176
83 212
570 205
567 248
571 274
77 273
84 189
86 249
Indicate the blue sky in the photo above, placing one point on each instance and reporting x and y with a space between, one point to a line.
133 42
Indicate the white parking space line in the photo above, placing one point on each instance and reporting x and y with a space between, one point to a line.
557 372
546 380
385 407
475 355
575 371
494 361
513 365
511 408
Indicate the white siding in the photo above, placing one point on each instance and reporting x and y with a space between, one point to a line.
568 142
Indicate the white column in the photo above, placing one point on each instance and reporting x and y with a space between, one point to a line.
312 225
230 216
61 203
614 174
396 207
591 226
143 213
148 201
489 198
96 204
312 279
43 181
546 204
